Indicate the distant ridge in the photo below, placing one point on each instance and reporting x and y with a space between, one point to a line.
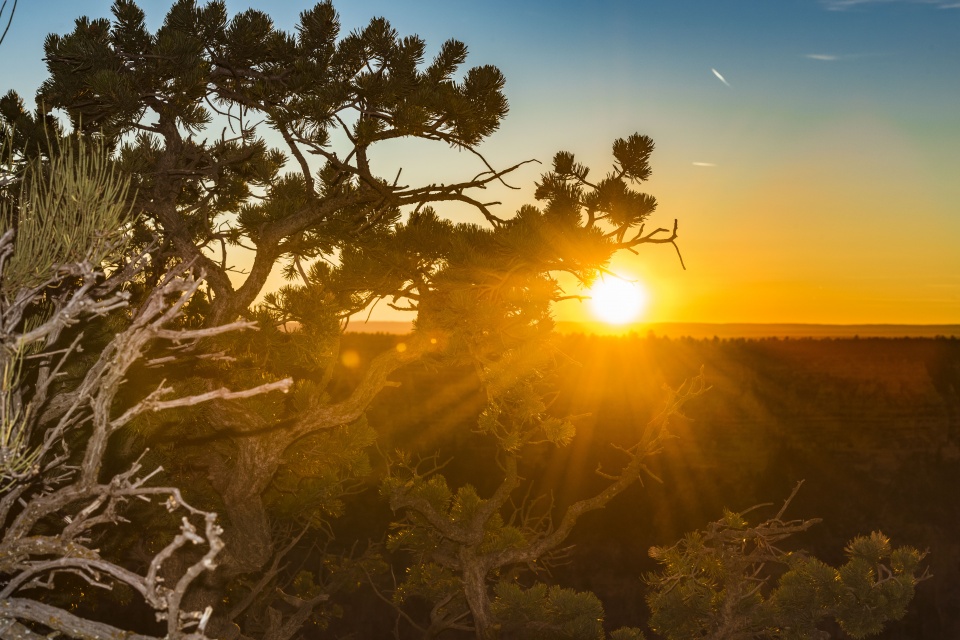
379 327
706 330
755 330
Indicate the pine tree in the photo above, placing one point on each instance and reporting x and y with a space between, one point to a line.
733 580
180 107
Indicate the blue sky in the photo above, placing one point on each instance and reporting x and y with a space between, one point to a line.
821 185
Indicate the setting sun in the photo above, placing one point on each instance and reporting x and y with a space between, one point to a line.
616 300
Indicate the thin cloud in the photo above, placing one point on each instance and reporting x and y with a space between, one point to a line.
704 164
843 5
832 57
720 77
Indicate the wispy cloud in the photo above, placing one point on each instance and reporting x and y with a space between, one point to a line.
825 57
843 5
704 164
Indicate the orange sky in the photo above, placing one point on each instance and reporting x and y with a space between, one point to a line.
849 224
850 220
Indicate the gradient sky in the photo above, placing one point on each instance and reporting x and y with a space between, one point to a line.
820 184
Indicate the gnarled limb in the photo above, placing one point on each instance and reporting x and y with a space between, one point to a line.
52 491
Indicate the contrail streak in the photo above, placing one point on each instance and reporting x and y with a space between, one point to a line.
720 77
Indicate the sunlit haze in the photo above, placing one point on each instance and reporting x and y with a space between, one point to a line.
808 148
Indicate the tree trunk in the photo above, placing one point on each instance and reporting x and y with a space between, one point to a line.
474 574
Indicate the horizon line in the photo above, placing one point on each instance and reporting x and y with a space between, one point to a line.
718 329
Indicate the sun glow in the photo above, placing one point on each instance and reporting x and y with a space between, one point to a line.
617 300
